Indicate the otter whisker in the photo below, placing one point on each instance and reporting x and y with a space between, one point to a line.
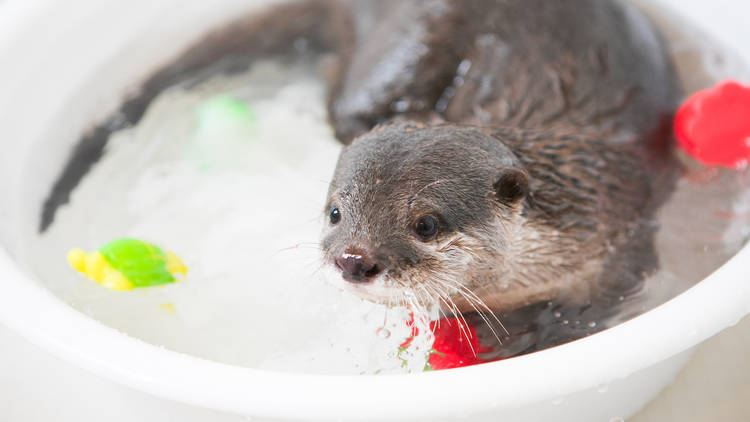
414 301
430 299
298 246
402 299
320 266
440 310
401 302
462 327
453 305
307 243
443 298
464 291
301 245
419 299
482 315
436 299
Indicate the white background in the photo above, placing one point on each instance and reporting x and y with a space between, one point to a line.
715 386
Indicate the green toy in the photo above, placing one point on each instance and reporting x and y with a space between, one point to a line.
223 127
224 113
125 264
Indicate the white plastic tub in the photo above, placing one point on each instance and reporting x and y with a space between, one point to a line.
50 51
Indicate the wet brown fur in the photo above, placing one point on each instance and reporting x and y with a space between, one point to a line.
533 128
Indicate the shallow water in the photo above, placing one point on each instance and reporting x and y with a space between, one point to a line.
245 218
242 205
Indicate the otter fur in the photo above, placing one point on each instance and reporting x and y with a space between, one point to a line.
499 154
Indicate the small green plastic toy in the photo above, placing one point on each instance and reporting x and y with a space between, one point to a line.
223 128
125 264
224 113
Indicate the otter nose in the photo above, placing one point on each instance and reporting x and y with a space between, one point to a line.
357 266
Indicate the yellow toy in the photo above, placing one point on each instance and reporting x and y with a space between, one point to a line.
125 264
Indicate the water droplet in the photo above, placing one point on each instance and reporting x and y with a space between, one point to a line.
591 324
401 105
383 332
464 67
557 314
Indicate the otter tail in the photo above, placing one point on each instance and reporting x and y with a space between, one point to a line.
320 24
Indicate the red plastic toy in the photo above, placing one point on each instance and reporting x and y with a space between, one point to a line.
713 125
456 343
451 348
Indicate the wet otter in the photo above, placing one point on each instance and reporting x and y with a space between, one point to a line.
500 153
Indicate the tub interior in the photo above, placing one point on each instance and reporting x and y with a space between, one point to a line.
247 301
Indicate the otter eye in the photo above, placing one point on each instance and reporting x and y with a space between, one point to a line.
426 227
335 216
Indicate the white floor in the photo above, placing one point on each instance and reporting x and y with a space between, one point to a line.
715 386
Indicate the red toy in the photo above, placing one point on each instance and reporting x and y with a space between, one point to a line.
451 348
713 125
456 343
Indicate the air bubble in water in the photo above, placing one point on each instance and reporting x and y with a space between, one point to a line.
383 333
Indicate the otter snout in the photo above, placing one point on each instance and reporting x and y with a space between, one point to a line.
358 265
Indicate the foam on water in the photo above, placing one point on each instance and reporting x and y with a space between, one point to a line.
243 209
246 220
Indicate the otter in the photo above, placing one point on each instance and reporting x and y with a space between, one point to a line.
504 156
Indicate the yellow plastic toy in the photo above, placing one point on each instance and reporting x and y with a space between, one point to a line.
125 264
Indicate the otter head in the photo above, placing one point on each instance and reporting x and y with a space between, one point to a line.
423 211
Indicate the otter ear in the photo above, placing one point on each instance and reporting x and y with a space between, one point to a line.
511 186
